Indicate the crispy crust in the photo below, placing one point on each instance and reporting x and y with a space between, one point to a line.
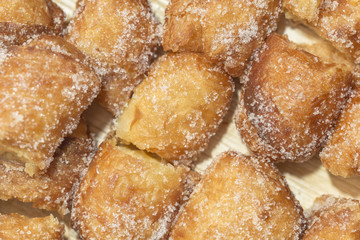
54 189
290 101
121 45
21 20
227 32
177 108
341 153
240 197
15 227
126 194
336 21
41 103
334 218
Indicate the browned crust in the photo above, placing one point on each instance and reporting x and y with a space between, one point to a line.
121 46
341 153
334 218
277 132
127 194
226 32
60 95
15 227
240 197
335 21
12 33
177 108
54 189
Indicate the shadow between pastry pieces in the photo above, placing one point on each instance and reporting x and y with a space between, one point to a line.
334 218
177 108
54 189
240 197
127 194
14 227
227 32
291 99
44 90
121 38
22 20
335 21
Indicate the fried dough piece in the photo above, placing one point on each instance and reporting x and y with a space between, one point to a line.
177 108
336 21
240 197
290 101
341 153
15 227
121 37
21 20
42 96
225 31
54 189
59 45
126 194
334 218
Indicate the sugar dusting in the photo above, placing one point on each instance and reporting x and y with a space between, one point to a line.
41 103
256 204
333 217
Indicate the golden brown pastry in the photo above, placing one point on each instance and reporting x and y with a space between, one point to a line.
336 21
54 189
126 194
15 227
341 153
225 31
240 197
334 218
42 96
59 45
177 108
121 37
290 101
21 20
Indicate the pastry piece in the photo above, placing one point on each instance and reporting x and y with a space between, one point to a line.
21 20
177 108
225 31
290 101
15 227
59 45
240 197
42 96
54 189
334 218
336 21
121 37
341 153
126 194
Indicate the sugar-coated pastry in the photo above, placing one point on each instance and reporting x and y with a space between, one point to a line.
334 218
336 21
15 227
226 31
341 155
59 45
121 37
127 194
43 94
21 20
54 189
177 108
290 101
240 197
